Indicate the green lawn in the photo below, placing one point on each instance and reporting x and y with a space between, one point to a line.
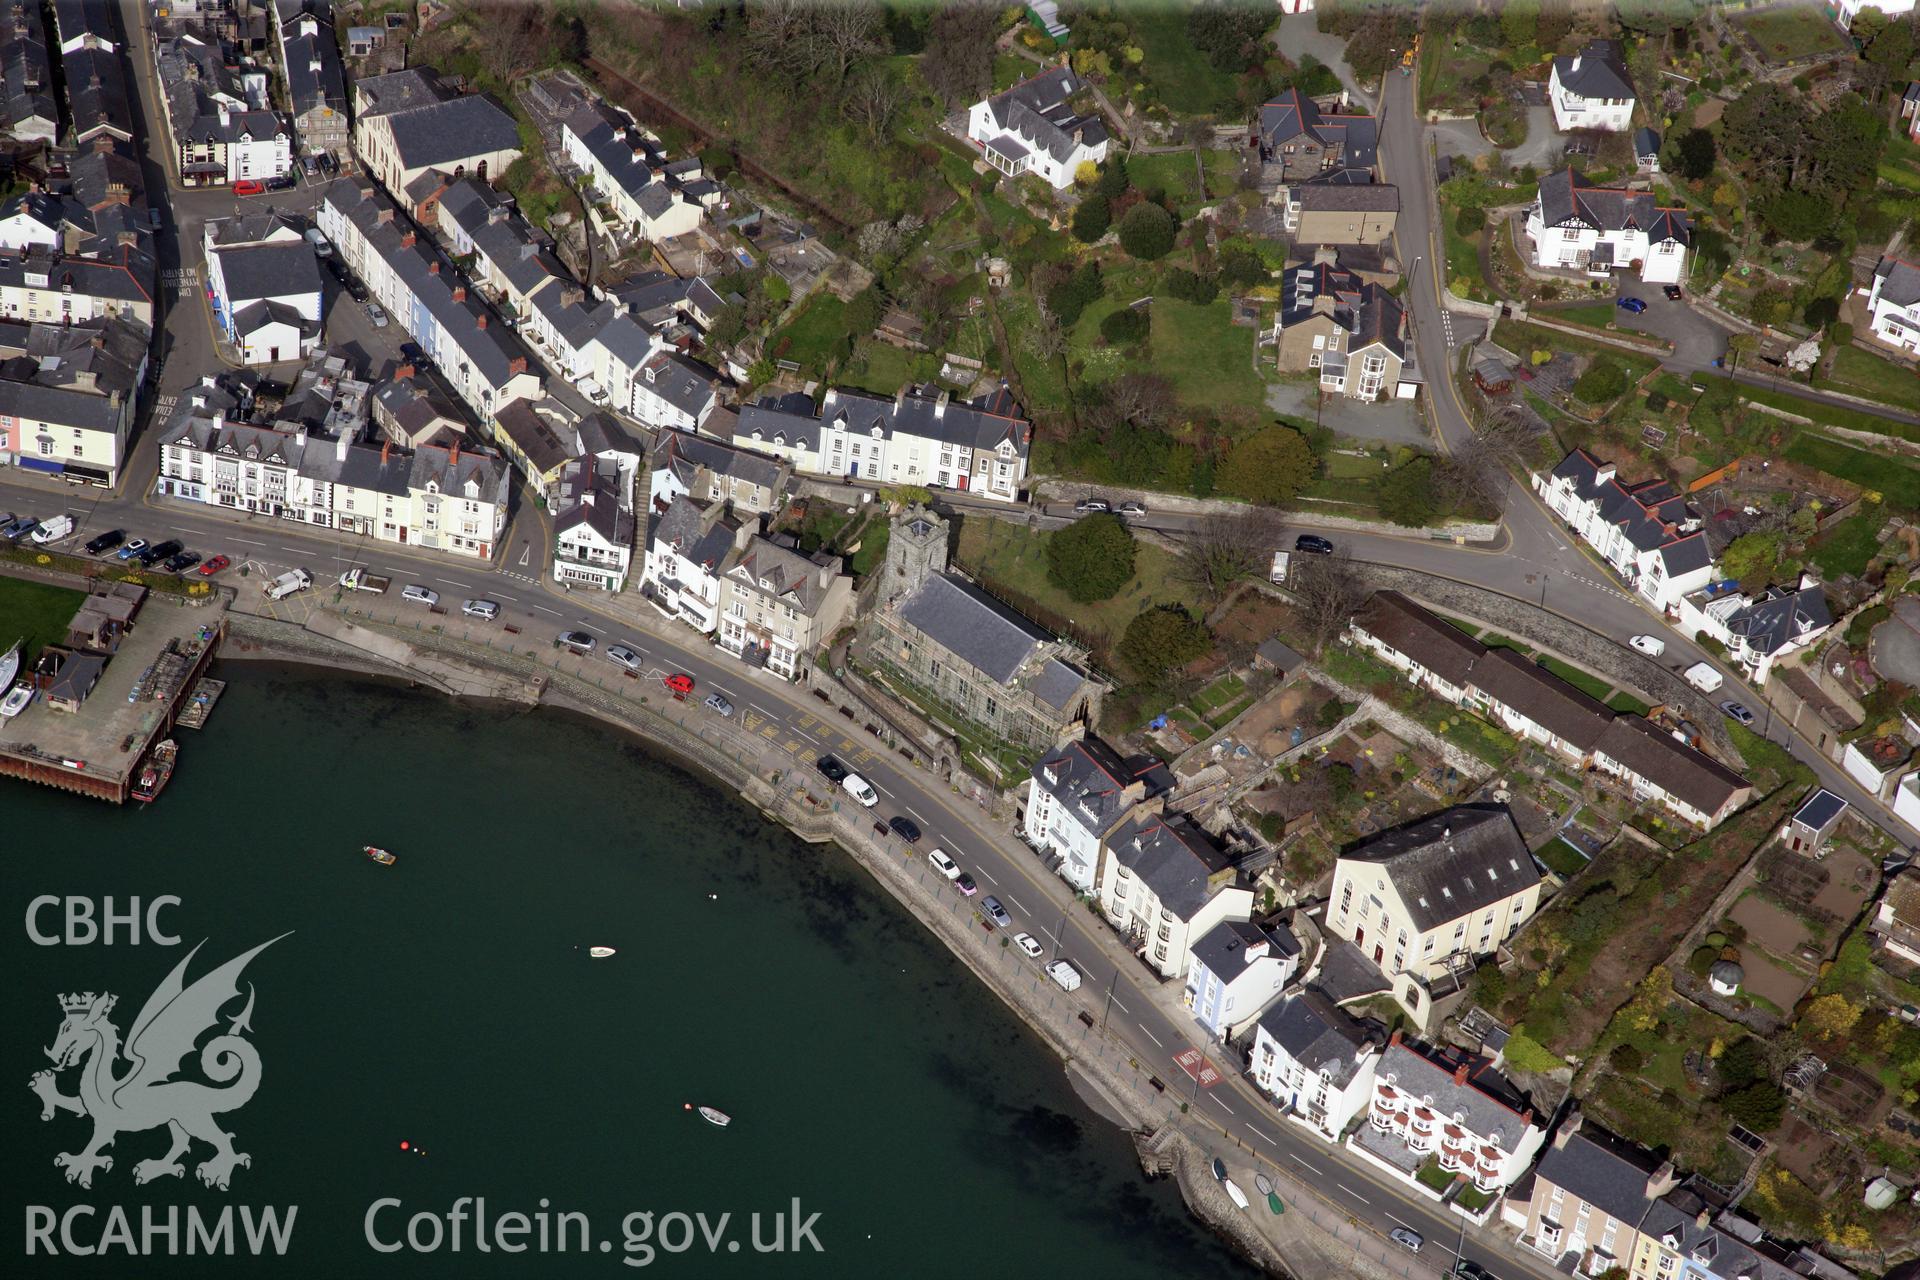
1207 358
1010 69
1013 557
1792 31
1560 855
1178 174
889 368
1463 258
1830 415
35 613
811 336
1533 337
1178 73
1597 314
1897 482
1627 704
1848 546
1900 163
1591 685
1862 373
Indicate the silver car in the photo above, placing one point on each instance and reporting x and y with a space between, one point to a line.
377 314
719 705
621 655
996 912
486 610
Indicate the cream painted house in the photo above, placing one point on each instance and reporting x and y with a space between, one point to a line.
1425 901
1163 884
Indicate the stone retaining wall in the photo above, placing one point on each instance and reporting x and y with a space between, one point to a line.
1056 490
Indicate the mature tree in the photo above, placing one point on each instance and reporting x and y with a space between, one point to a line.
1113 177
1142 398
1752 557
1520 23
1762 128
511 38
1045 338
1231 35
1092 217
1797 215
1694 154
1507 441
1228 548
1830 1017
1075 293
1092 558
958 62
1626 1059
848 31
1605 382
1269 467
1760 1106
1126 326
1161 639
1146 231
1190 287
874 99
1742 1062
864 312
1407 495
1327 592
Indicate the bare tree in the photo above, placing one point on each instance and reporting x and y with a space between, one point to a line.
1142 399
781 36
1328 592
1227 548
873 100
845 33
512 39
1507 440
958 62
1045 339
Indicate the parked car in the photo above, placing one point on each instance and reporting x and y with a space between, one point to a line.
181 561
249 187
1735 711
1408 1240
59 527
308 167
357 291
1632 306
860 789
485 610
1064 975
318 240
679 684
578 641
19 527
1091 506
1133 508
1673 292
101 543
719 705
285 182
153 555
965 884
1470 1271
1029 945
832 770
214 566
416 594
131 549
1652 646
153 219
621 655
943 864
906 828
1313 544
996 912
377 314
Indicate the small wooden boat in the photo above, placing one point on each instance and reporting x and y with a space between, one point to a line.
1219 1169
599 953
380 856
1263 1184
1239 1196
158 771
715 1117
1273 1203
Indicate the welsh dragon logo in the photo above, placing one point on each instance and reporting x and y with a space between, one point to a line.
146 1096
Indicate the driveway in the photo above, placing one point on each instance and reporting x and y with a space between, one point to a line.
1383 422
1298 37
1697 340
1544 143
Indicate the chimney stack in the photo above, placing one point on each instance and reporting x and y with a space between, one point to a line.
407 240
453 454
459 293
1568 1127
433 268
1394 1038
1662 1180
386 447
1460 1074
403 371
480 321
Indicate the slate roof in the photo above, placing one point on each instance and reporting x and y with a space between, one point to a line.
1318 1035
684 454
96 93
1346 974
765 421
1036 113
1090 779
397 91
30 402
981 423
451 469
631 159
1670 764
1649 514
1058 683
446 133
1487 1104
1646 144
687 385
1525 687
1687 554
1603 1170
1404 626
1568 198
590 495
1452 863
792 575
1172 857
278 270
1899 281
1225 947
1353 140
255 316
686 527
972 625
1820 809
315 80
1781 616
532 436
1345 197
1601 72
416 406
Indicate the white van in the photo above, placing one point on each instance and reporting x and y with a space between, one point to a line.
1703 677
859 788
1065 975
53 530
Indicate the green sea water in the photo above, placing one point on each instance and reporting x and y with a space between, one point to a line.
448 1003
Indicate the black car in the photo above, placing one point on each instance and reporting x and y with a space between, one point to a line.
905 828
105 542
180 562
1313 544
1673 292
155 554
282 183
833 770
358 292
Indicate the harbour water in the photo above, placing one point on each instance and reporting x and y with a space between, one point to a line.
448 1003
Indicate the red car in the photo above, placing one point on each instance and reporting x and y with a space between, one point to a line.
679 684
214 566
249 187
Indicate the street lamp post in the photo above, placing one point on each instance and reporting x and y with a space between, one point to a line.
1109 1005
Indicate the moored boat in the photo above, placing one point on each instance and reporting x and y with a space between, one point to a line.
1219 1169
715 1116
1273 1202
1239 1196
1263 1184
157 772
17 699
380 856
10 664
600 953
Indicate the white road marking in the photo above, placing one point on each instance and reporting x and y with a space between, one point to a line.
1350 1191
1049 933
880 787
1150 1035
1223 1106
450 582
1402 1221
803 733
1263 1137
1122 1008
754 706
1016 905
1302 1163
990 880
247 542
542 608
915 812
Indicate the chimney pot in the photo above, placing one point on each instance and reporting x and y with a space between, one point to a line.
386 447
1394 1038
480 321
459 293
1460 1074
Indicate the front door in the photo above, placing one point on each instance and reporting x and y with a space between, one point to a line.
1378 953
1359 937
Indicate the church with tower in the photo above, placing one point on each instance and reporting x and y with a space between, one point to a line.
977 656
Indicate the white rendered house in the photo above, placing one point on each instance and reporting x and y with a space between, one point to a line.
1592 89
1893 302
1077 796
1238 969
1315 1061
1575 225
1444 1103
1033 128
1163 884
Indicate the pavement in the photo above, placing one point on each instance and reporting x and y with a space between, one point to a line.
1386 422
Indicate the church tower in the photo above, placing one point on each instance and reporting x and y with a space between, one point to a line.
916 550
